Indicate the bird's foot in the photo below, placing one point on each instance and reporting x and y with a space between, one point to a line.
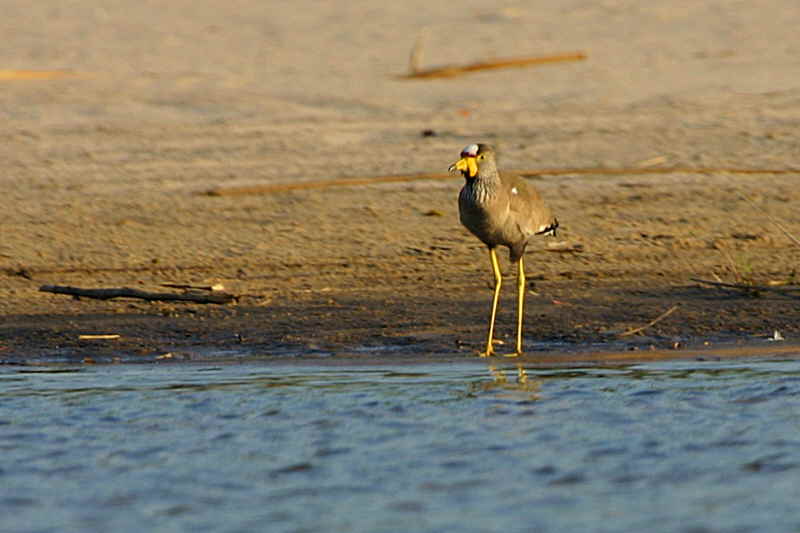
490 348
515 354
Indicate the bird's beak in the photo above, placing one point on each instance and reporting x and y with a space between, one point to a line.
466 165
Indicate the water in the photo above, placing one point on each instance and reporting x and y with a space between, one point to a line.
695 447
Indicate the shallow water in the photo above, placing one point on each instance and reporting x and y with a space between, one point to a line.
690 446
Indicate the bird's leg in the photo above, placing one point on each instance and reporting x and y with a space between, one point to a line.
498 376
498 281
522 375
520 304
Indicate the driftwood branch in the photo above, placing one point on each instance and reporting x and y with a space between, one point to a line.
400 178
449 71
653 322
125 292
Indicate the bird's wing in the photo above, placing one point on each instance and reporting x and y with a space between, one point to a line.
527 207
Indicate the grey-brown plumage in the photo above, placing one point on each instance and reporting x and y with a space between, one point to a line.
501 210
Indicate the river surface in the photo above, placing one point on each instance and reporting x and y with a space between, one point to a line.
697 446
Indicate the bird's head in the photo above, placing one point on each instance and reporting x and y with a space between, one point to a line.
473 157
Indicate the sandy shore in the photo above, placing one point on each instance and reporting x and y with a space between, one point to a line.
105 171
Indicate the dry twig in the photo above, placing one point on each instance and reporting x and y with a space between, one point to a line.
415 58
449 71
400 178
324 184
6 74
656 320
216 287
752 289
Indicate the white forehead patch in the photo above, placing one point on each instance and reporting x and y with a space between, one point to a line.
514 190
470 150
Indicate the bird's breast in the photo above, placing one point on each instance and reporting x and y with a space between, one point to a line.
483 214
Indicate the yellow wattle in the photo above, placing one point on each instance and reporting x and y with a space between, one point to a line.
472 166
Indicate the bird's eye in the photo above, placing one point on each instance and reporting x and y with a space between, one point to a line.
481 157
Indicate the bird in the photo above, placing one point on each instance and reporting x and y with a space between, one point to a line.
500 209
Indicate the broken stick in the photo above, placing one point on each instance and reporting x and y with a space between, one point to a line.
448 71
415 58
653 322
273 188
215 287
125 292
6 74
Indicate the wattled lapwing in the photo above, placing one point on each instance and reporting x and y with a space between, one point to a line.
500 209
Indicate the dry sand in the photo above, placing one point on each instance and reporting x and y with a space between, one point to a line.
104 172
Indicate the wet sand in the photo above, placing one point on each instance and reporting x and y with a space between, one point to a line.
105 174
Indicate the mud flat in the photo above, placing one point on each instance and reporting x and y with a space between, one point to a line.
106 170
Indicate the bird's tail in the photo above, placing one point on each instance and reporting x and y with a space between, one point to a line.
550 229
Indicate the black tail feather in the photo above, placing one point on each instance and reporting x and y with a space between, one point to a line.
550 230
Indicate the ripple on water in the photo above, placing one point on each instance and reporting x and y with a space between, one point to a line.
430 448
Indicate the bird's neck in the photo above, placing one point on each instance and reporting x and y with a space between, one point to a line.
483 188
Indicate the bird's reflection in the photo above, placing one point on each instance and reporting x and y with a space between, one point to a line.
500 382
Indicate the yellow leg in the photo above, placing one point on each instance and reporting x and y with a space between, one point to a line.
520 305
498 376
522 375
498 281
